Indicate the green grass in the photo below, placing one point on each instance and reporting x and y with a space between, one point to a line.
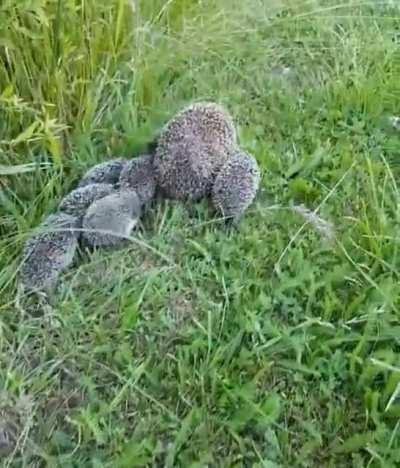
269 347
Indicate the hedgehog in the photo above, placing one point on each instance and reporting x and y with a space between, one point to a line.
236 185
191 149
107 172
138 175
110 220
78 201
50 252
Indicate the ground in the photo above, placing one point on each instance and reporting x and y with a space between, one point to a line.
271 346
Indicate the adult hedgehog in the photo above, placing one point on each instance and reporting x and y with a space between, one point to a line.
191 149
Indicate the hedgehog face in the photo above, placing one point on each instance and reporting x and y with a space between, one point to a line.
236 185
107 172
191 149
138 175
110 220
47 254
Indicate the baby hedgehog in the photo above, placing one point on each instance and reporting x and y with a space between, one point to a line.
107 172
191 149
110 220
236 185
47 254
78 201
138 175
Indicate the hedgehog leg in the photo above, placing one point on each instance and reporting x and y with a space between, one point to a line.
191 209
232 224
36 303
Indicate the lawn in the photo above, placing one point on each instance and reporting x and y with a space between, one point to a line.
275 345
